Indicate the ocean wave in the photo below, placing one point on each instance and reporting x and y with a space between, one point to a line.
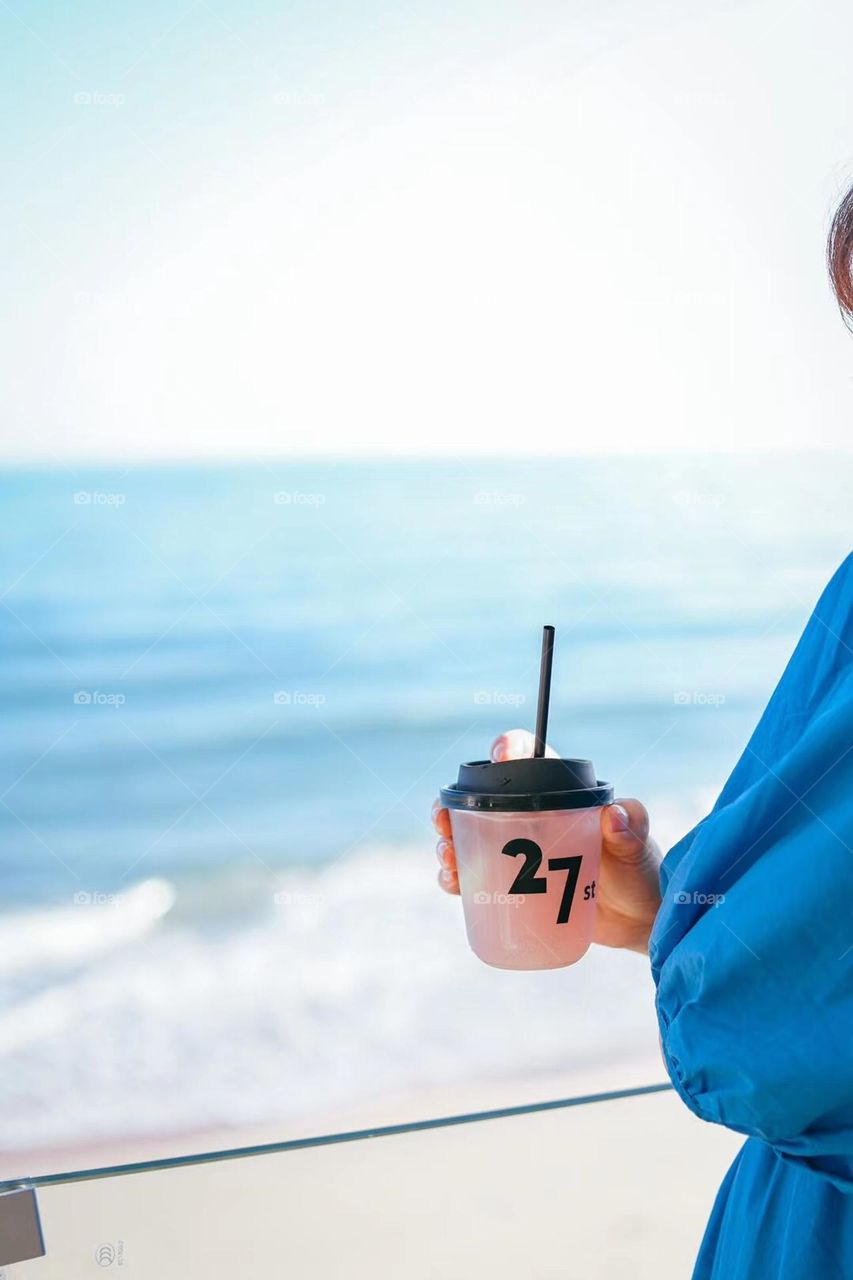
248 999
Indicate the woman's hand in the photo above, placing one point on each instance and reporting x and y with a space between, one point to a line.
628 889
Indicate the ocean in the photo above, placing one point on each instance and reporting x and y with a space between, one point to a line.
229 695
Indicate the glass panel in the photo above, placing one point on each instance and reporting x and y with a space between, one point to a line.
583 1190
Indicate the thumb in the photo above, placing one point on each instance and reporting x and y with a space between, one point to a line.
625 830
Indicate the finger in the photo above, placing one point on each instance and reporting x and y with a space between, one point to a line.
625 829
516 744
446 855
441 819
448 881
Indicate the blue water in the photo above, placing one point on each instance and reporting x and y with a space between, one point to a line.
232 679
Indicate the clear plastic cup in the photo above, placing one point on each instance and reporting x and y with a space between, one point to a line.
528 847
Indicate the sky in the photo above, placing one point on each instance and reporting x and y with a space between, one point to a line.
396 228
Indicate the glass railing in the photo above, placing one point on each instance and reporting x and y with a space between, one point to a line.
574 1187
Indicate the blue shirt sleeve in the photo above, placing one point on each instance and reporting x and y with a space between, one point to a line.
752 951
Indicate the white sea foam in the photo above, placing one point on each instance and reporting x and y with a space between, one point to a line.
93 924
343 985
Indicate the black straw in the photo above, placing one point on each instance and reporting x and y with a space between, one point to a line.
544 691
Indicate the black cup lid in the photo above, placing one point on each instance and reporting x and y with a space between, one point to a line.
524 785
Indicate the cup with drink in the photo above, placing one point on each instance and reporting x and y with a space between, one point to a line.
528 848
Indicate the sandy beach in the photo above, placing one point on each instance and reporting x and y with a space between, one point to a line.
605 1190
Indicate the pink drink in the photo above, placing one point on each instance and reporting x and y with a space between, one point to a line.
528 846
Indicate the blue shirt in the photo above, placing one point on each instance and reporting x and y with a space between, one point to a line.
752 956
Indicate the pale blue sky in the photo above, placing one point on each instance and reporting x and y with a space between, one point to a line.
256 228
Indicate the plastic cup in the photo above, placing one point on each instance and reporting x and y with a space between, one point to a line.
528 847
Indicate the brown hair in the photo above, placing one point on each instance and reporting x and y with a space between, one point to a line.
839 256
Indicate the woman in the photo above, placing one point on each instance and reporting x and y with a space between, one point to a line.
748 922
